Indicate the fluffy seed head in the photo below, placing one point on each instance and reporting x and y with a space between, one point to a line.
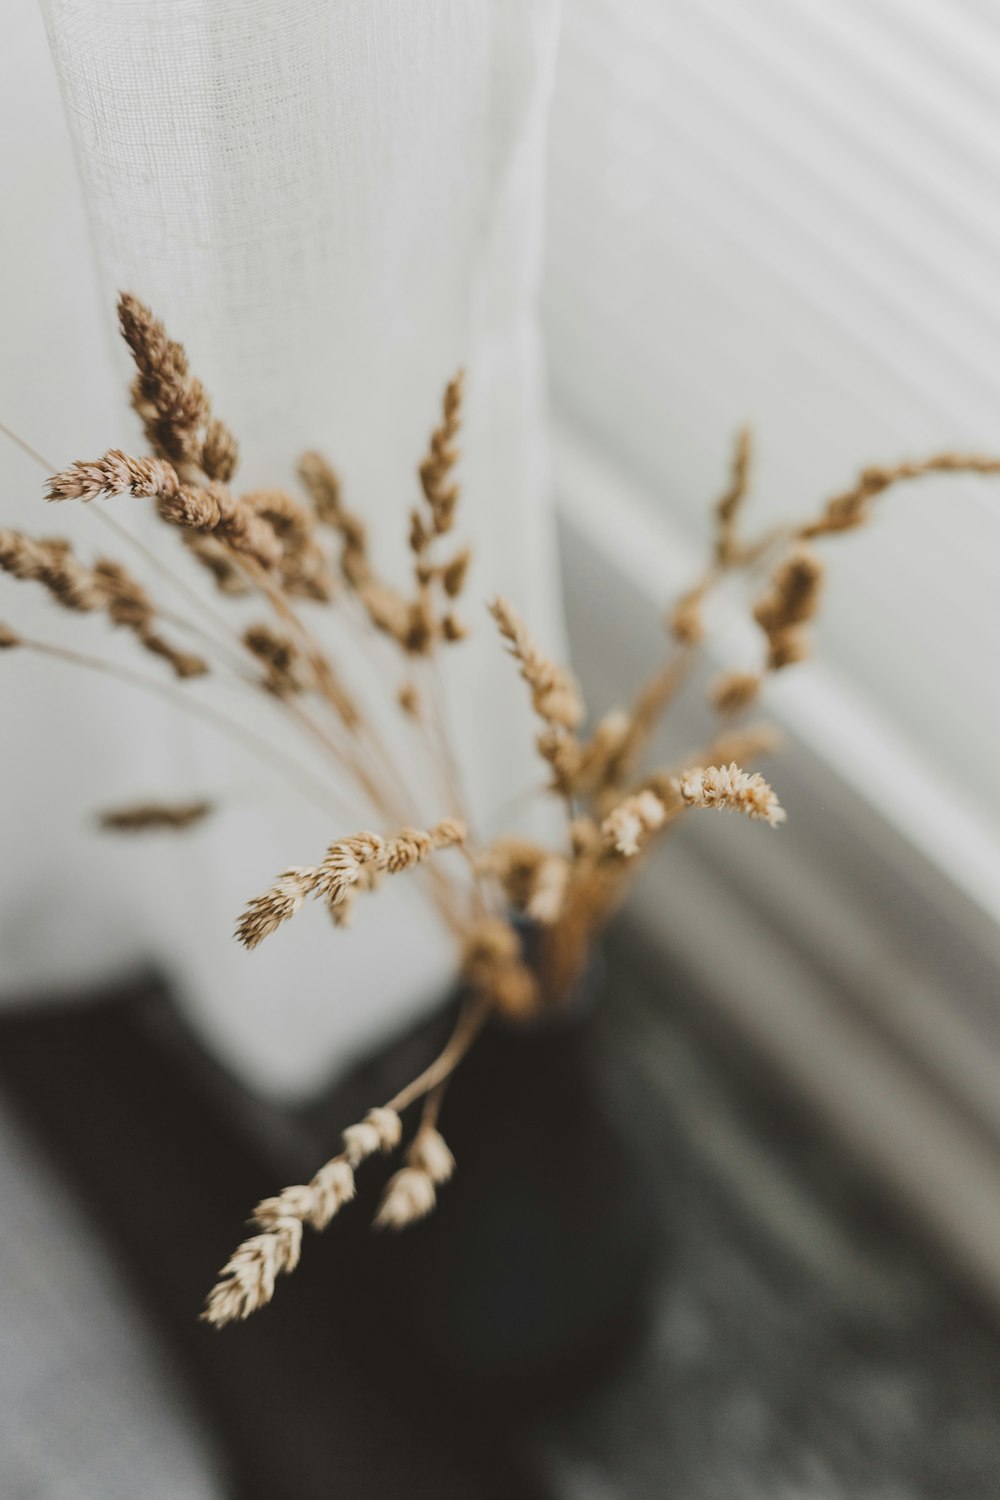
430 1154
266 913
731 788
332 1187
409 1196
554 693
380 1130
627 826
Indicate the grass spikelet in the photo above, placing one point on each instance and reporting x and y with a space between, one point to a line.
144 816
322 485
285 672
734 692
554 693
731 501
492 966
172 403
731 789
627 827
435 471
347 863
685 621
791 600
107 587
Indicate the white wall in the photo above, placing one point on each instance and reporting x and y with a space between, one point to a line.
788 212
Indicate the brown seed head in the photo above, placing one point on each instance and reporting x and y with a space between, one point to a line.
144 816
734 692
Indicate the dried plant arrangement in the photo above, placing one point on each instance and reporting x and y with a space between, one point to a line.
293 556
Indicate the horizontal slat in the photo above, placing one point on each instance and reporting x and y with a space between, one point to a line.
789 213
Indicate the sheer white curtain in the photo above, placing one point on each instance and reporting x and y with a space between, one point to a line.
334 203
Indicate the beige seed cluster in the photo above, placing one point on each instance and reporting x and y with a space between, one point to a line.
173 405
730 502
345 864
285 552
107 588
628 826
791 600
554 693
247 1280
730 788
142 816
211 508
285 671
734 692
533 879
303 565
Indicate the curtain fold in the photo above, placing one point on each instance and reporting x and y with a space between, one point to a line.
333 205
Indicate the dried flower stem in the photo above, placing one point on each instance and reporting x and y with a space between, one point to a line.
731 501
153 559
247 1281
384 796
744 746
347 865
381 797
441 891
648 709
851 508
472 1017
628 826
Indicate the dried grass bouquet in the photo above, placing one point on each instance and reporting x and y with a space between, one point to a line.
298 555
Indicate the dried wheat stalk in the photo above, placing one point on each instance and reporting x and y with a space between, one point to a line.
268 545
346 863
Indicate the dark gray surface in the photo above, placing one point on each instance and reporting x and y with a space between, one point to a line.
89 1410
805 1342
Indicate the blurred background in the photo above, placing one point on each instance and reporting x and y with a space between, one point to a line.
693 216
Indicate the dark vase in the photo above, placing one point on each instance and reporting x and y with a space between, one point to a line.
529 1275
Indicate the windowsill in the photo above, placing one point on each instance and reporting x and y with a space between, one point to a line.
859 945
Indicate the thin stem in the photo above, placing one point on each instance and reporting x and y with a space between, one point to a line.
441 891
431 1111
652 702
162 568
447 766
453 778
301 779
471 1020
327 683
19 442
370 641
335 694
326 679
381 800
226 658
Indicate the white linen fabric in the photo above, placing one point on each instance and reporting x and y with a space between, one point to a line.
334 204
